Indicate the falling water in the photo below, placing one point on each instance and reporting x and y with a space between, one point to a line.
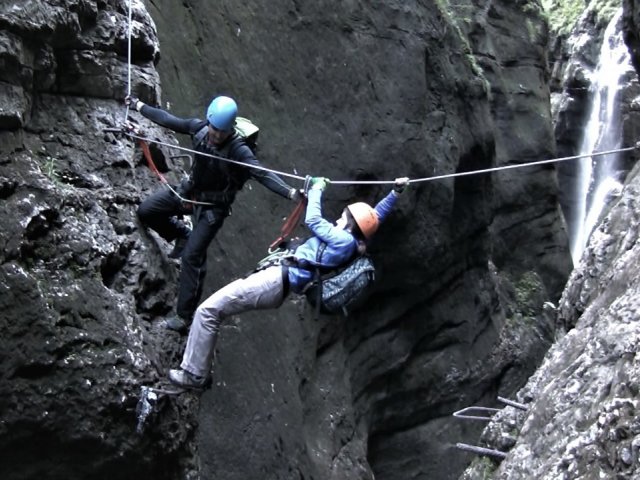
596 176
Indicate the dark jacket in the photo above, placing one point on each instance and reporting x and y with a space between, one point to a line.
210 176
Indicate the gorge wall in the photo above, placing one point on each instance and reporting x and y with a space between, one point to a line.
347 91
581 404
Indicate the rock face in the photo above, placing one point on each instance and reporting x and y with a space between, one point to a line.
581 417
582 420
77 279
348 91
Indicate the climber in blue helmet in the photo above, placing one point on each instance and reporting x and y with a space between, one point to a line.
213 183
221 116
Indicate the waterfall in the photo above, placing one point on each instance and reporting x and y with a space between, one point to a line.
596 176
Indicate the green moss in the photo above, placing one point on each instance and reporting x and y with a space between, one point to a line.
563 14
529 289
458 17
484 467
49 168
605 9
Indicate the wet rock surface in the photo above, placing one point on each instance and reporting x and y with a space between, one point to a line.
582 403
347 91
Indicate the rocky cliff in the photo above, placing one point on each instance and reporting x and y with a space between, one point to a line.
348 91
580 417
582 406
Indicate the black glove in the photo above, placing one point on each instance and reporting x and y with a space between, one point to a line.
400 184
185 188
133 102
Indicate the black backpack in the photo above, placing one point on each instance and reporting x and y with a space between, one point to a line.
342 289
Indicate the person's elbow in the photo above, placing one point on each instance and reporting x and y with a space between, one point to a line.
312 221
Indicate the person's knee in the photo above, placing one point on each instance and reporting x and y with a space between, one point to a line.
143 212
209 317
193 256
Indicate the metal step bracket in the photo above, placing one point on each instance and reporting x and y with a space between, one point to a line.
484 414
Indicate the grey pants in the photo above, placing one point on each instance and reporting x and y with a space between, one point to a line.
258 291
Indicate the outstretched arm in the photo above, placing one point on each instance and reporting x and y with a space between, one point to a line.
384 207
270 180
163 118
319 226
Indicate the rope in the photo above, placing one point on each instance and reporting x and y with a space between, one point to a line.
391 182
519 165
177 147
333 182
126 113
152 166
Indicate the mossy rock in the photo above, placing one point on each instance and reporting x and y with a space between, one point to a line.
563 14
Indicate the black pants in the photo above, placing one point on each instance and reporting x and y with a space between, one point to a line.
159 212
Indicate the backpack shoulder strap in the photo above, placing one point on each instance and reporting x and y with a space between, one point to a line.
199 136
318 277
234 142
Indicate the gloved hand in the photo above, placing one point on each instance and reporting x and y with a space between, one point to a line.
400 184
185 187
319 183
133 102
296 195
131 128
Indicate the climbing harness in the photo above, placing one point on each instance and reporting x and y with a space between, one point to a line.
292 221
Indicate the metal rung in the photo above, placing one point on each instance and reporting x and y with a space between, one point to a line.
463 413
481 450
512 403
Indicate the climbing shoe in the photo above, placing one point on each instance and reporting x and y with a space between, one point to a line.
176 324
186 379
178 247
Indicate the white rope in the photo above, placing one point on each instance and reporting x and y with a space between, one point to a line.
391 182
343 182
486 170
521 165
248 165
126 114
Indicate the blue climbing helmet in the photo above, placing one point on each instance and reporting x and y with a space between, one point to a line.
222 112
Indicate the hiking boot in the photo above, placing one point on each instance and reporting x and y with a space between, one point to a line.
178 247
186 379
176 324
